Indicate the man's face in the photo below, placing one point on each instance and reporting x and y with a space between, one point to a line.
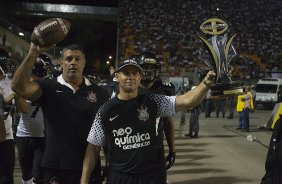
73 63
129 79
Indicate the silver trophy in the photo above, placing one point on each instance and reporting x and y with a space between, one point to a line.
220 54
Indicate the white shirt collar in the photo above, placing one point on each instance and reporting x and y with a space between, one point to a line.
62 81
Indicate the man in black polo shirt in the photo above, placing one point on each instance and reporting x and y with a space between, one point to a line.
127 125
69 104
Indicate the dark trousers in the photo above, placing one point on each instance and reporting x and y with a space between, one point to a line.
31 150
245 119
240 115
7 161
151 177
220 107
208 107
194 120
230 101
66 176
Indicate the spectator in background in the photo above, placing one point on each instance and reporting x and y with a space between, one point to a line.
220 107
7 147
239 108
30 134
112 84
180 91
208 105
248 106
254 94
151 82
230 103
194 125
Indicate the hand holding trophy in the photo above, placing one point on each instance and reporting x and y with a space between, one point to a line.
221 52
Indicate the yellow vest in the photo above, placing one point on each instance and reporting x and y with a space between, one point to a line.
251 100
240 104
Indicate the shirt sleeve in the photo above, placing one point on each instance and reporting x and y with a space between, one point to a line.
165 105
96 135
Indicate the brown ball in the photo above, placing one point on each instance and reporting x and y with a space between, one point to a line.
50 32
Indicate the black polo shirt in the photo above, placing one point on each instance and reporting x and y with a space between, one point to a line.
68 118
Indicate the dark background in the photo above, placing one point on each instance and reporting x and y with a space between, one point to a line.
97 34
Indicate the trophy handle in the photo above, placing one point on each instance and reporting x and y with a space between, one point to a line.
200 57
213 55
227 48
233 55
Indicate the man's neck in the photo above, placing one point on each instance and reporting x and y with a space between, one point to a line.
127 95
74 82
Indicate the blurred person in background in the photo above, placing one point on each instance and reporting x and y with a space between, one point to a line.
253 91
194 125
208 104
248 107
7 147
30 132
220 107
239 108
230 103
151 82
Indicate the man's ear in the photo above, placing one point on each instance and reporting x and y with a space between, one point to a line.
116 75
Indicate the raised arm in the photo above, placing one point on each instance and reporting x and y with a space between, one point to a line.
195 96
21 83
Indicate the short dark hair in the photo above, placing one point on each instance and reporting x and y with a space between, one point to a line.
72 47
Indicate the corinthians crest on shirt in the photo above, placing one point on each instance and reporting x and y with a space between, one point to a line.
143 113
91 97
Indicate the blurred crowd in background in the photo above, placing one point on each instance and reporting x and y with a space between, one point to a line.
171 29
